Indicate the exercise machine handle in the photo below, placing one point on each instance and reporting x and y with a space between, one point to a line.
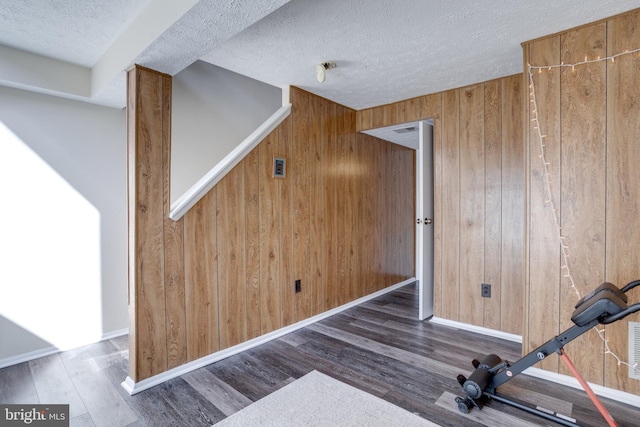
629 310
624 313
630 286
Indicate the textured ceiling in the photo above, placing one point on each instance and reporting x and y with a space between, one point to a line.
72 31
385 50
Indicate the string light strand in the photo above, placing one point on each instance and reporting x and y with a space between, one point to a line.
547 181
573 66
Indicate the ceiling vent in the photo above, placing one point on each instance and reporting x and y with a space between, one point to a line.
405 130
634 350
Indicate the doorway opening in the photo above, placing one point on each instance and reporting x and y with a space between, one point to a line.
419 137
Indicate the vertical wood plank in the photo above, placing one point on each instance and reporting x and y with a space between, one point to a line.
433 109
286 228
391 114
232 292
377 117
345 127
302 201
623 197
354 216
330 225
201 283
270 302
451 204
513 207
377 215
544 252
146 224
493 203
583 116
472 200
173 252
252 242
364 119
316 194
370 229
412 110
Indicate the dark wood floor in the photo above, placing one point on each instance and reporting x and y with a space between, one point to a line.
378 347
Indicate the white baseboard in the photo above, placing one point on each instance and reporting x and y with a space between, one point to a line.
133 387
25 357
610 393
48 351
478 329
114 334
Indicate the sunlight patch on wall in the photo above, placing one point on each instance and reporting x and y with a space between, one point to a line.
49 250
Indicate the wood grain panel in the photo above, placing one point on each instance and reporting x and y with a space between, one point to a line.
201 272
364 119
382 212
318 213
513 207
623 197
504 197
472 200
300 117
493 202
345 121
146 219
354 217
369 225
451 204
232 282
392 114
598 208
412 110
433 109
330 223
544 251
173 251
286 228
252 242
377 117
270 211
252 235
583 181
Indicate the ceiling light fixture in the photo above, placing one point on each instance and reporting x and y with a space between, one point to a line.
322 68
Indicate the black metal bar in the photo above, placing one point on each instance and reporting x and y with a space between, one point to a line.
532 410
630 286
552 346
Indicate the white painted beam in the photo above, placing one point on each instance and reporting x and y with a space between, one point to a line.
153 21
24 70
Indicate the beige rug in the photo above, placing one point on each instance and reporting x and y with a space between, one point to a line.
319 400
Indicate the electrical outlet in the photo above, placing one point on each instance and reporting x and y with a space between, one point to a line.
298 286
486 290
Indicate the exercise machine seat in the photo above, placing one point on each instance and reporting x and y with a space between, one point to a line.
606 300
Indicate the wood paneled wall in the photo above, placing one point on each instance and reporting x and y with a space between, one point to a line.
590 115
341 221
479 197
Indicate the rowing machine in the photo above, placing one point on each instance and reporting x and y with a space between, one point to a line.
606 304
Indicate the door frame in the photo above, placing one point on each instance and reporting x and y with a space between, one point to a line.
424 273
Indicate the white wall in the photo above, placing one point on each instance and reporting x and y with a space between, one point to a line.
63 244
213 111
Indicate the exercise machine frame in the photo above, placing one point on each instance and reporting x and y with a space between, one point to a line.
605 305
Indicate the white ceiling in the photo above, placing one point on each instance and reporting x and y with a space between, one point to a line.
385 50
